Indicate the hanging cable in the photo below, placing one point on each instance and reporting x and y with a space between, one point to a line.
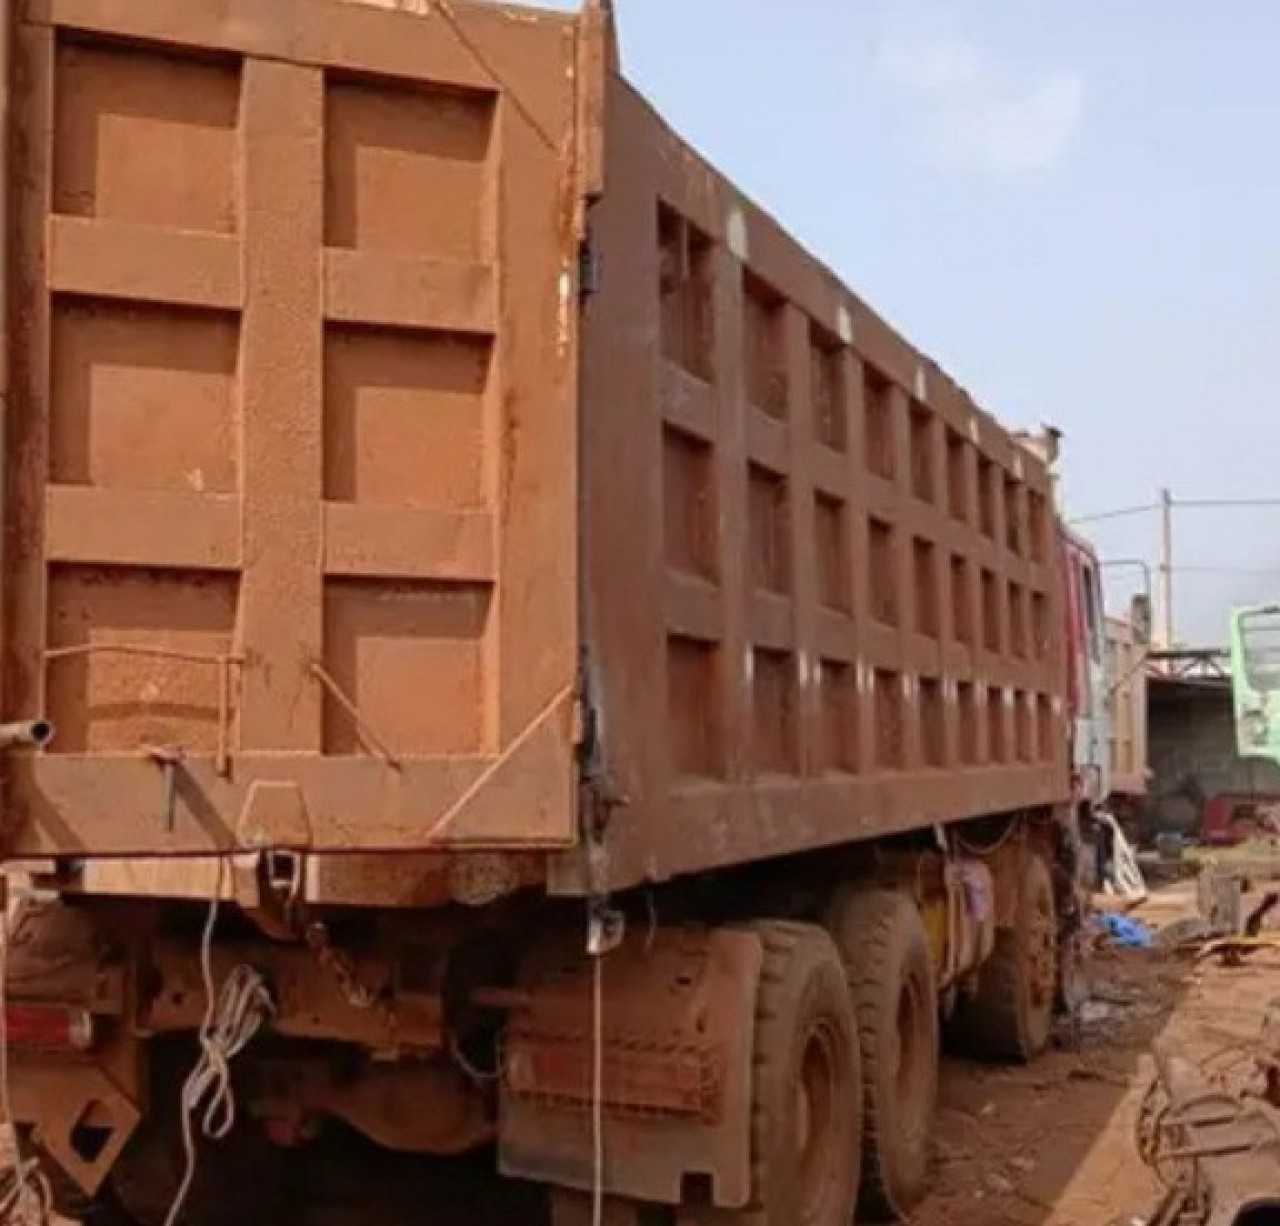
597 1089
1226 504
233 1015
1145 508
1180 504
982 850
604 931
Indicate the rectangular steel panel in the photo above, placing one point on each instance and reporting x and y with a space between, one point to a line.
821 589
292 462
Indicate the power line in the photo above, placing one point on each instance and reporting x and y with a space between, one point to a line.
1265 571
1165 570
1272 571
1121 513
1181 504
1226 504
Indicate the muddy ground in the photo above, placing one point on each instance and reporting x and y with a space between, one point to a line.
1053 1145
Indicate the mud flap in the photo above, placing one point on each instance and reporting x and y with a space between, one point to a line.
677 1041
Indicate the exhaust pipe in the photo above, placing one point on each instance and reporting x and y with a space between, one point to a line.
32 732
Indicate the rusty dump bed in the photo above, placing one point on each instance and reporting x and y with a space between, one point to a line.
329 461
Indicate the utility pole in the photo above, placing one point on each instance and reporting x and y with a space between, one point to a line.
1165 622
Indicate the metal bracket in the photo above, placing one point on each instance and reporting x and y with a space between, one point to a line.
606 927
169 758
588 270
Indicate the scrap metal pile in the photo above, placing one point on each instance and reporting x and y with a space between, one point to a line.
1211 1132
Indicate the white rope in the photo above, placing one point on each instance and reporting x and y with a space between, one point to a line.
27 1199
233 1015
597 1089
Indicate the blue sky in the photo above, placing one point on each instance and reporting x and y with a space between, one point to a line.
1074 207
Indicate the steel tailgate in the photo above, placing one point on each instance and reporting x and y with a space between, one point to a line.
291 425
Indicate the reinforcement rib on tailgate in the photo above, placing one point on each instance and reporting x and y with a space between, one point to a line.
291 425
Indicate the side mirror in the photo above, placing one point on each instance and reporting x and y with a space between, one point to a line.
1140 618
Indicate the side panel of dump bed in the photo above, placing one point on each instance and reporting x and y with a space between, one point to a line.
824 602
291 454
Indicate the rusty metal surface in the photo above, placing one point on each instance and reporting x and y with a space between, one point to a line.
296 504
53 1093
6 103
292 417
1218 1148
404 880
355 997
822 592
676 1023
1126 666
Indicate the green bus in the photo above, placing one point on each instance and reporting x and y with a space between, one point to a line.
1255 680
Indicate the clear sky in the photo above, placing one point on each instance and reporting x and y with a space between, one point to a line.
1074 207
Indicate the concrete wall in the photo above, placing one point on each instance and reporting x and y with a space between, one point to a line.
1193 754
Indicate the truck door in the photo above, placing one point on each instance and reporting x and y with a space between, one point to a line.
1093 720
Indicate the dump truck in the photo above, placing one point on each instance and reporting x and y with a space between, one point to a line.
507 660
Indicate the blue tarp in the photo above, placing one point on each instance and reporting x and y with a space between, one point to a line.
1123 930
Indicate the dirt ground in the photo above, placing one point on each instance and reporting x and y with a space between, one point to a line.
1053 1144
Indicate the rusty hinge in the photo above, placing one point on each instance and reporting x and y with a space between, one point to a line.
588 270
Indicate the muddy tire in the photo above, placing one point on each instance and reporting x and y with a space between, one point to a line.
806 1124
882 941
1011 1014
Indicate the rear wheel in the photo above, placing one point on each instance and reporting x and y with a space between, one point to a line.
882 940
1010 1015
806 1123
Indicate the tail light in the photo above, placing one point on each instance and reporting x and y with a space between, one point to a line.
48 1027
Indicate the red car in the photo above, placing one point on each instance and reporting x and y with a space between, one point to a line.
1236 817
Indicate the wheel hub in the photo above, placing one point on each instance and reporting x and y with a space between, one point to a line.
814 1121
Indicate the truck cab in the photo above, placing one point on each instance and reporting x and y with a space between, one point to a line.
1089 686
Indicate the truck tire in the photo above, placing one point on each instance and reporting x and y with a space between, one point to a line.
1011 1014
806 1125
881 938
